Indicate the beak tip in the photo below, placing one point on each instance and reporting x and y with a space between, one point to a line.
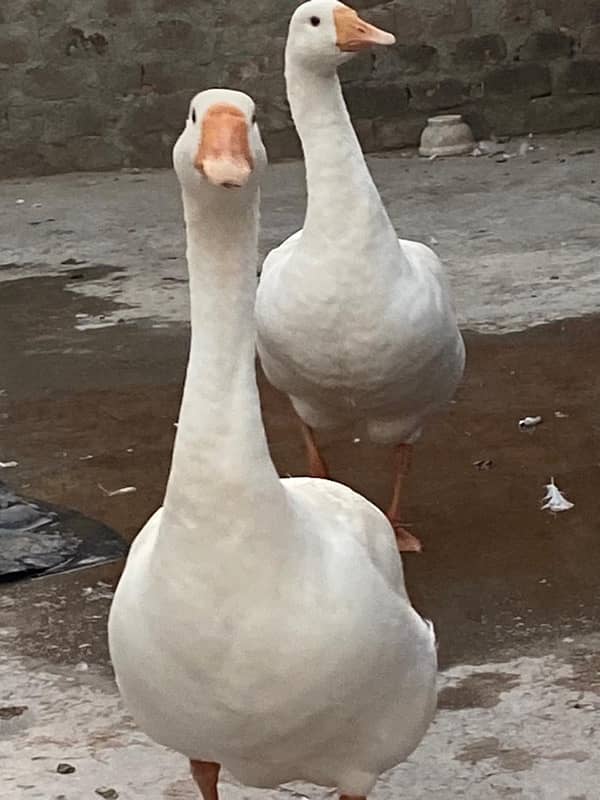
225 173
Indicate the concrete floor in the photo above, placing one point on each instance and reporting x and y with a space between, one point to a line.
93 340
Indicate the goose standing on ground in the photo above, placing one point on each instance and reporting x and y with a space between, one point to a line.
260 623
355 325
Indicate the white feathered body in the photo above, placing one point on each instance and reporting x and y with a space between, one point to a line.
353 324
292 655
386 352
259 623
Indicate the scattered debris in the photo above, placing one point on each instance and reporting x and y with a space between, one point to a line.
433 240
480 150
85 458
480 233
356 440
483 464
527 146
585 151
554 499
36 205
294 793
65 769
107 793
114 492
528 423
560 415
83 666
90 322
504 157
10 712
102 591
488 147
73 261
8 464
20 201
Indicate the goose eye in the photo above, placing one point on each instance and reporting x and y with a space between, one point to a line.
194 115
254 119
315 21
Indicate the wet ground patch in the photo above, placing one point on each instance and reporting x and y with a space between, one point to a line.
98 407
479 690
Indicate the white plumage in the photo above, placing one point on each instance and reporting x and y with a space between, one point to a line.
260 623
354 324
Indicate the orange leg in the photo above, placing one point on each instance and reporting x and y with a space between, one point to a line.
406 541
316 463
351 797
206 775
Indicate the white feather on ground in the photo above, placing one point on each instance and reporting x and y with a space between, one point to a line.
554 500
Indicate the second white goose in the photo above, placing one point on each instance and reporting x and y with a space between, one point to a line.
354 324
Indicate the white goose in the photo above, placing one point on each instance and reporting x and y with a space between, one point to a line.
355 325
260 623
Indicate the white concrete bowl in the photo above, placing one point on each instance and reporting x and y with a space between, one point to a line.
446 135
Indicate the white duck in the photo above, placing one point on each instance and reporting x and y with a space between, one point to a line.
260 623
355 325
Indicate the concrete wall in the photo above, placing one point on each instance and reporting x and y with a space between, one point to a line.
97 84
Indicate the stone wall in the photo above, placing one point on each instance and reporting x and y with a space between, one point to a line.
98 84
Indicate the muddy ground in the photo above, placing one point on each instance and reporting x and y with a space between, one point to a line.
93 343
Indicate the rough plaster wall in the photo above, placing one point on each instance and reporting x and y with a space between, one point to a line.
96 84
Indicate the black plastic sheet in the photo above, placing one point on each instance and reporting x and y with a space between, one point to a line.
37 539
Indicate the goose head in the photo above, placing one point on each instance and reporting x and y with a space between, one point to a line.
220 149
325 33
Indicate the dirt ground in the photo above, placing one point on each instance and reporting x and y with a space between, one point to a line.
93 342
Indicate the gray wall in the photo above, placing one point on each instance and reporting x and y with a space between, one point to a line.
97 84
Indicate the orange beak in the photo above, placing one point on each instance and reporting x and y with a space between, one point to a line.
354 34
224 156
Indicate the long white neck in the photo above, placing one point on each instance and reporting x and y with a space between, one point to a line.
338 180
221 472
